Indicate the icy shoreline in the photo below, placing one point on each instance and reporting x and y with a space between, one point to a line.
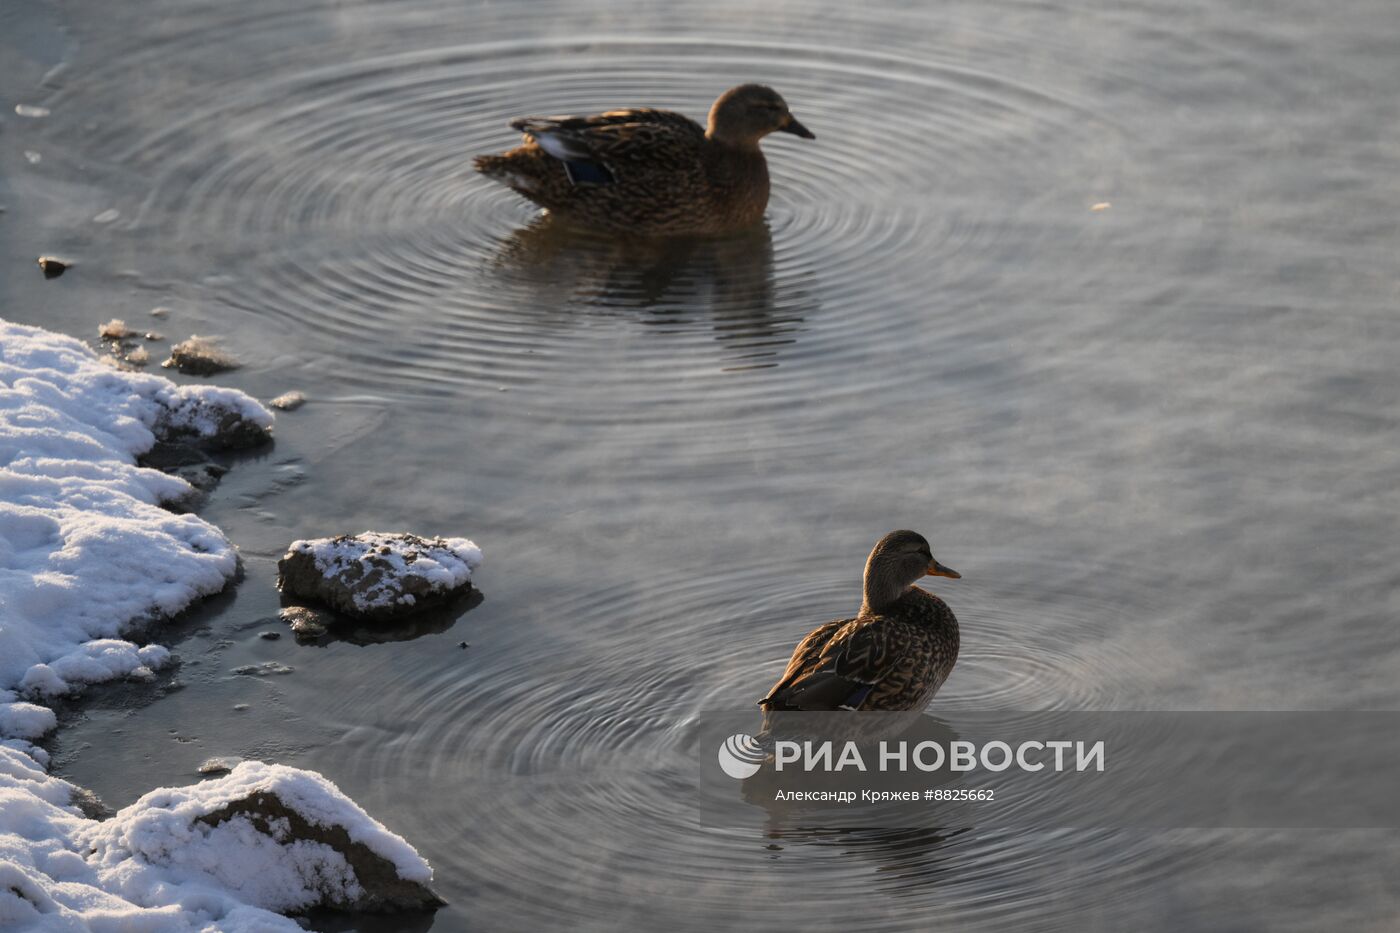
87 550
88 553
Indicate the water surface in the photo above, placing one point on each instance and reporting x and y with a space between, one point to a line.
1099 298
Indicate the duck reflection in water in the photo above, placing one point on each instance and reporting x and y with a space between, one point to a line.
672 283
905 858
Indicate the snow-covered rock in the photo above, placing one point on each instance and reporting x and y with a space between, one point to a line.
221 855
86 549
285 839
377 576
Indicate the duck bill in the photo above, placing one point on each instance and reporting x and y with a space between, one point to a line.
935 569
797 129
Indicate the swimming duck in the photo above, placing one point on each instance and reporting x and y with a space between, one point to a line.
896 652
650 172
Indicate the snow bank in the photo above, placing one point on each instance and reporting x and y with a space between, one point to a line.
86 549
175 860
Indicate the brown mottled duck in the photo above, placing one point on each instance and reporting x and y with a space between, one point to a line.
650 172
896 652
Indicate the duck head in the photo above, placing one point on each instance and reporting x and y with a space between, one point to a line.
898 560
745 114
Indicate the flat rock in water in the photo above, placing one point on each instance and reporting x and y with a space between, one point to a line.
199 356
264 669
288 401
220 765
305 621
377 576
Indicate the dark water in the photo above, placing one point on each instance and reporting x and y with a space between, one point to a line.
1157 438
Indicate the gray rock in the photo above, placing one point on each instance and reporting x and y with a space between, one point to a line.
90 804
209 427
185 461
200 356
237 433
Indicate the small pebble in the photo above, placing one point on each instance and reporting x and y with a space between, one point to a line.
52 267
160 312
240 706
31 110
154 335
288 401
1101 206
264 669
107 216
199 356
115 329
269 636
306 622
222 765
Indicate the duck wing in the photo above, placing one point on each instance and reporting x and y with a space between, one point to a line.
599 148
837 666
807 654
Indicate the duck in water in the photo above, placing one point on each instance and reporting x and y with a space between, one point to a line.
896 652
650 172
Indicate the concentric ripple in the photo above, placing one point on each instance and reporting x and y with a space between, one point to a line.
339 188
584 754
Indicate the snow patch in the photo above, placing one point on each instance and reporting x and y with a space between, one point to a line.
24 720
86 549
